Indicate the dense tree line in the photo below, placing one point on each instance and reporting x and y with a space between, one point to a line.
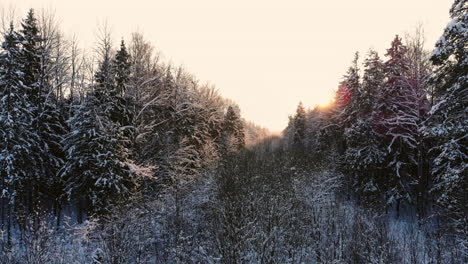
399 131
88 133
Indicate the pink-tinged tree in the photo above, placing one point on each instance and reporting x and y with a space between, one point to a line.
334 130
343 96
349 108
348 95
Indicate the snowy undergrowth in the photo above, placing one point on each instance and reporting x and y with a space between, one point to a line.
305 222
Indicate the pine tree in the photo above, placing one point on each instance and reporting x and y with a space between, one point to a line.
121 70
347 109
52 129
104 77
447 124
349 113
342 98
299 129
97 169
401 109
47 120
316 141
334 131
396 182
372 82
364 154
31 57
123 110
233 131
20 145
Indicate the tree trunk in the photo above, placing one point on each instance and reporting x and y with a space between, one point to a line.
8 225
79 217
59 213
398 209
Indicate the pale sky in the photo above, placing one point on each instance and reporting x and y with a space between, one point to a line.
266 55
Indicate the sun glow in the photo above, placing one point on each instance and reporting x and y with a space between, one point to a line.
325 100
325 104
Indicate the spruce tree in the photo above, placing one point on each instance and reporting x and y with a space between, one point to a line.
233 131
447 125
334 131
364 153
350 110
104 90
97 169
401 109
372 81
346 117
20 145
47 117
123 110
299 129
31 57
121 70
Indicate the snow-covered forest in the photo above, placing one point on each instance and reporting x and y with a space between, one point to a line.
113 155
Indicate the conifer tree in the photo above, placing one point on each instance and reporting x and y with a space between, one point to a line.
334 131
347 110
364 153
123 111
233 131
342 98
401 109
299 132
447 124
20 145
31 57
372 82
104 89
396 184
121 69
97 170
350 111
47 117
